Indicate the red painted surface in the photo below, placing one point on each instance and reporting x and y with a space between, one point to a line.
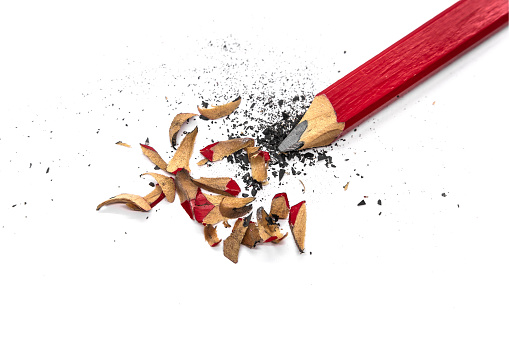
200 198
284 196
293 213
207 151
271 239
158 200
215 244
266 156
232 188
200 212
397 69
177 170
187 207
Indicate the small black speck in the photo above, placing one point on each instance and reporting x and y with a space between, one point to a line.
151 184
362 203
380 213
14 205
47 170
379 202
444 195
203 117
156 168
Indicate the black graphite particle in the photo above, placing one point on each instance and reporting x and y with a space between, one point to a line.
444 195
362 203
379 202
151 184
147 142
204 104
204 117
281 173
47 171
156 168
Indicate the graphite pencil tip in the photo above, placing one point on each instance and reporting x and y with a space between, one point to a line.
292 141
318 127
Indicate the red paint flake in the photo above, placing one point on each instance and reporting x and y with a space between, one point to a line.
187 207
207 152
177 170
201 199
294 211
232 187
271 239
148 147
282 195
266 155
200 212
158 200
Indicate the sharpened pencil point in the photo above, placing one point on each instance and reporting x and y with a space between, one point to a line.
318 127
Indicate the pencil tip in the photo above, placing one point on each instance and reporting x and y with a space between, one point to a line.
291 142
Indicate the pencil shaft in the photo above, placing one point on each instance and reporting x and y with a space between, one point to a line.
401 66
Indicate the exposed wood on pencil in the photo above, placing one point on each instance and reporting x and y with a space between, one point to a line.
318 127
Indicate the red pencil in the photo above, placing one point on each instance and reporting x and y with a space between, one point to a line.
373 85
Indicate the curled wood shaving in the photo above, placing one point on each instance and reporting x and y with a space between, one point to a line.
125 198
221 149
167 184
268 229
123 144
252 236
297 221
223 186
231 245
259 166
181 157
176 124
220 111
280 206
152 154
186 191
153 198
210 233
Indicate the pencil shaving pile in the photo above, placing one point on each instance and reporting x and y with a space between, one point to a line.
224 205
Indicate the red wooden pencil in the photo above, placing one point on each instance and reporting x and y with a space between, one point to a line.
373 85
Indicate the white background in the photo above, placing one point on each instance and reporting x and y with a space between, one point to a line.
428 266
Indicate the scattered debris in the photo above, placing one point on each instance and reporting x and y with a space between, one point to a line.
362 203
122 144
